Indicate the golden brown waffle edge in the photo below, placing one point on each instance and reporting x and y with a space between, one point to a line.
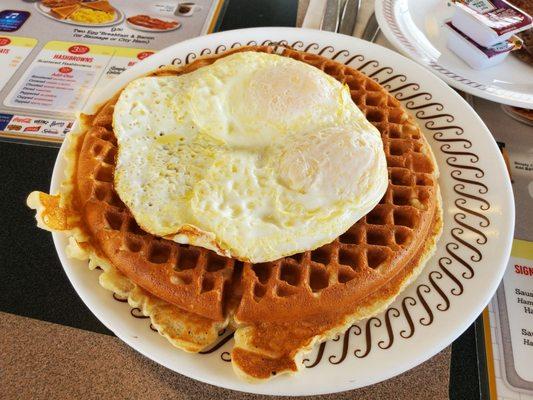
282 308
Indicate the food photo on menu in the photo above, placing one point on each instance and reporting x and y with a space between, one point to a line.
82 12
340 206
104 13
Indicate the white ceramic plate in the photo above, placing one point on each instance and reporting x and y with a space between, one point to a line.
451 292
145 29
416 28
46 11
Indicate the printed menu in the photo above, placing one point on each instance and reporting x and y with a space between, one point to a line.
509 329
54 53
518 295
13 51
60 77
507 322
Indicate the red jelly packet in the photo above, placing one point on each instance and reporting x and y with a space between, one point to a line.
513 43
498 15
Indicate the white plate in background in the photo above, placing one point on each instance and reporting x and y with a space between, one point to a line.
417 29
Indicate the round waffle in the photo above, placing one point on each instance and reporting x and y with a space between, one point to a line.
280 308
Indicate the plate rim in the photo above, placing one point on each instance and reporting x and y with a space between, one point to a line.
388 31
57 177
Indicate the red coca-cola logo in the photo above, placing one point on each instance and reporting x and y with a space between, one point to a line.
22 120
4 41
65 70
143 54
78 49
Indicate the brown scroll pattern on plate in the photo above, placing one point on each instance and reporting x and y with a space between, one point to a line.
469 219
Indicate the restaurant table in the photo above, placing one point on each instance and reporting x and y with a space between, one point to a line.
52 346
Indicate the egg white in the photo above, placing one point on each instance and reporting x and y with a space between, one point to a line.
256 156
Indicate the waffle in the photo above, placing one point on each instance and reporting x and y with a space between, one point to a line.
100 5
59 3
281 308
65 11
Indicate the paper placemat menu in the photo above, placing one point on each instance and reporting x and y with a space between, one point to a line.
508 321
54 53
516 302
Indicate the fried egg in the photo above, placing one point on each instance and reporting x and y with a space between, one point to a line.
256 156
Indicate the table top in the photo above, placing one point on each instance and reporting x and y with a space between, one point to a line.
37 301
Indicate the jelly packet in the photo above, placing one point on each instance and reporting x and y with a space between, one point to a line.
489 22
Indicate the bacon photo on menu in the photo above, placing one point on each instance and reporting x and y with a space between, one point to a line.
152 23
